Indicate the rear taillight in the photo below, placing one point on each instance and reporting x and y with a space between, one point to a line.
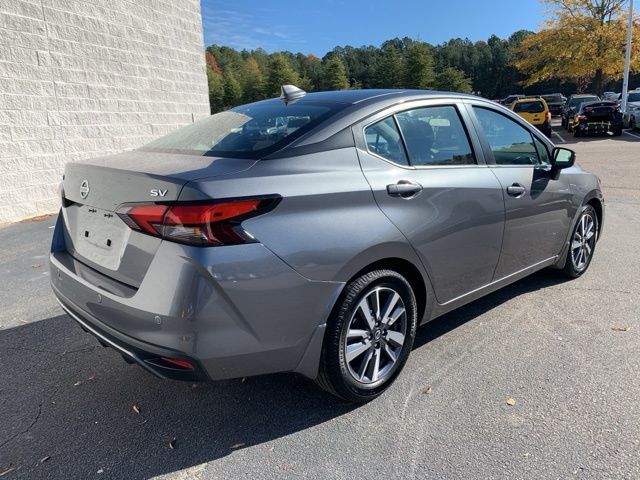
582 118
202 224
548 116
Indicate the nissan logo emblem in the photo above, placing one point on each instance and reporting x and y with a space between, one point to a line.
84 188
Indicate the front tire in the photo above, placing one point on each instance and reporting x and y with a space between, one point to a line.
369 336
582 244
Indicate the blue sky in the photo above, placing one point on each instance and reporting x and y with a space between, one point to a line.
317 26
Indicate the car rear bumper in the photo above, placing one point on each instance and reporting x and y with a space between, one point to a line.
597 127
229 311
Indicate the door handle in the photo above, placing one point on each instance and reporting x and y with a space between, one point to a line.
404 189
516 190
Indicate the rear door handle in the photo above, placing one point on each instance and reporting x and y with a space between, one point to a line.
516 190
404 189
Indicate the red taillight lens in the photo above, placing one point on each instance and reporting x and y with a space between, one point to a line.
582 118
207 224
177 362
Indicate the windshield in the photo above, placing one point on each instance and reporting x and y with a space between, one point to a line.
248 131
575 102
529 107
553 98
634 97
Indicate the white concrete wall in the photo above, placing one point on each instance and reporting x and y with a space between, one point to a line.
83 78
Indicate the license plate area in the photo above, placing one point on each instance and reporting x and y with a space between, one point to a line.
98 235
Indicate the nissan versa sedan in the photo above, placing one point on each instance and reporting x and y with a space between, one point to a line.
234 247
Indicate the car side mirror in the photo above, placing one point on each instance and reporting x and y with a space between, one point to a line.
562 158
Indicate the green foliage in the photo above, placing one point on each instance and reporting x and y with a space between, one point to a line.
452 79
334 76
419 71
216 90
390 70
232 91
280 73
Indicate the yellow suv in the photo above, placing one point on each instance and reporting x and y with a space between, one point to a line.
535 111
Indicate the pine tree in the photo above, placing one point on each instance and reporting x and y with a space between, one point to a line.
419 67
216 91
252 82
232 91
334 75
390 70
452 79
280 73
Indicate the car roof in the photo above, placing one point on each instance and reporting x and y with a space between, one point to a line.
374 95
529 99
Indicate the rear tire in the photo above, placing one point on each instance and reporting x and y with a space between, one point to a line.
581 251
366 345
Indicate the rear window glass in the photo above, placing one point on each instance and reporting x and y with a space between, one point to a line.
529 107
577 101
248 131
553 98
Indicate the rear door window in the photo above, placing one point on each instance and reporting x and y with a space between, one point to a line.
383 139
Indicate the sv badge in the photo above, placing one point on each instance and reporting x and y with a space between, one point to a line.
156 192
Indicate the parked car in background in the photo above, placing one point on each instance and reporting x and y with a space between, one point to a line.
219 251
535 111
572 106
631 118
610 96
597 118
510 99
555 102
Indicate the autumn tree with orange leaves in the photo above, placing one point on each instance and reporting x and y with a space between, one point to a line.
583 39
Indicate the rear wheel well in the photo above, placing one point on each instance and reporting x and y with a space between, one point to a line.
407 270
597 206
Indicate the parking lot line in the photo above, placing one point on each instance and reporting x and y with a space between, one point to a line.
632 134
560 137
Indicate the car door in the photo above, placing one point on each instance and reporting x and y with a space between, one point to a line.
537 201
435 187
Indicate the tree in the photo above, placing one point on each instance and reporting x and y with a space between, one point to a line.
334 75
419 67
252 81
232 91
453 80
583 38
280 73
390 71
216 90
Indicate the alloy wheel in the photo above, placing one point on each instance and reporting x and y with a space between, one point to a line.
583 242
375 335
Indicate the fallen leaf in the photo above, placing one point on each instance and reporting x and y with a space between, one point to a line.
427 390
511 402
243 380
9 470
237 445
620 328
79 382
101 470
270 449
136 408
172 443
42 460
91 378
36 265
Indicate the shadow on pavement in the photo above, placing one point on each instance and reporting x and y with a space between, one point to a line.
66 403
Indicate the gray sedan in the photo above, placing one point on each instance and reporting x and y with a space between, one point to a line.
314 233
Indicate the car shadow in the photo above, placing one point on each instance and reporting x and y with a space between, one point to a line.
72 409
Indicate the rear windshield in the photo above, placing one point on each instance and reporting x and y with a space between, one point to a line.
529 107
248 131
577 101
553 98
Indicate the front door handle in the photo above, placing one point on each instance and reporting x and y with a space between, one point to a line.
404 189
516 190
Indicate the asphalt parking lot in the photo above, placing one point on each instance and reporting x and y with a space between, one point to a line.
567 353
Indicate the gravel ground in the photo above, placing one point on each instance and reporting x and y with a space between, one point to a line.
567 353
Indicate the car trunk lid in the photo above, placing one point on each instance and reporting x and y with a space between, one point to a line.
94 190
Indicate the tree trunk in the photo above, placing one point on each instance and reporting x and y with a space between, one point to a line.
598 82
